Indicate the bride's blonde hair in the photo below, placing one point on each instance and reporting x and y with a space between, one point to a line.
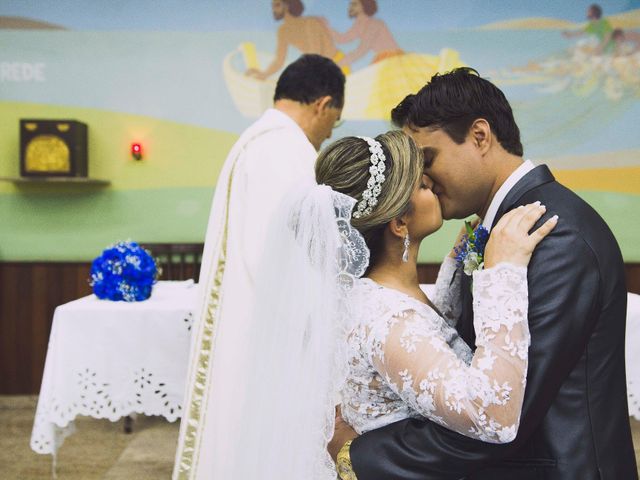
344 166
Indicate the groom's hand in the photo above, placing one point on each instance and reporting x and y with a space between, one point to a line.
341 435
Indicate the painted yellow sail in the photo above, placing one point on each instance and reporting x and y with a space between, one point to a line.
398 76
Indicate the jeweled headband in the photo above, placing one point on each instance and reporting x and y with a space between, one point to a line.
377 178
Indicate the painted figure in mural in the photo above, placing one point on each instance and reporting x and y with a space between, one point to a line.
307 34
625 42
373 34
574 421
597 27
374 89
272 155
605 60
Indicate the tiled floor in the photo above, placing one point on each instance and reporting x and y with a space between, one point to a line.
99 449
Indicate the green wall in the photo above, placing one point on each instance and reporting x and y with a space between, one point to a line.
165 197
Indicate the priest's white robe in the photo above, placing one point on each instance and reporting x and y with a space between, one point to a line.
269 158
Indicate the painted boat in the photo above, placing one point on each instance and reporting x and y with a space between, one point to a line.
370 92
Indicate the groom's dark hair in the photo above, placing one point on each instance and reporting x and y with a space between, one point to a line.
309 78
453 101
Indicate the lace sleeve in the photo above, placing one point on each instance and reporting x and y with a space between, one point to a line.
447 294
482 400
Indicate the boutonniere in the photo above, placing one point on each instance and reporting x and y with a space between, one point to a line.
470 252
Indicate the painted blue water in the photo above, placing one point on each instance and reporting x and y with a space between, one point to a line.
177 76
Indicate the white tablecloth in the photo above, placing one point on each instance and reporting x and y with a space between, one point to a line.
632 351
111 359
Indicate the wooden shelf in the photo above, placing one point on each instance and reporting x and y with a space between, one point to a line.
56 180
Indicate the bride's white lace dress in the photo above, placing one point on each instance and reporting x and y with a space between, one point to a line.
408 361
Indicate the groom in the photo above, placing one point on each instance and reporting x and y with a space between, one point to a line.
575 423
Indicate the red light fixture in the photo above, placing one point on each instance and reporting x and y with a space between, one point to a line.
136 151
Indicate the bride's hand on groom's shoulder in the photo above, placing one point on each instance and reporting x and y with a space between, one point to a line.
510 239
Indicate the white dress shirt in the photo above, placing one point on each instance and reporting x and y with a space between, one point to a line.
502 192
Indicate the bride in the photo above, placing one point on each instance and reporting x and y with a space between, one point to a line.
340 319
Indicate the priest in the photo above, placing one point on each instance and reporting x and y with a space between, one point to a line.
272 155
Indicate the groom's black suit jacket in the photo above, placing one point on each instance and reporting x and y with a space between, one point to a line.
575 420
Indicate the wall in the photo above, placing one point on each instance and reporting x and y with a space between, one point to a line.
169 74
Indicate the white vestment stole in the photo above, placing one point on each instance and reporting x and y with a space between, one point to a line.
270 157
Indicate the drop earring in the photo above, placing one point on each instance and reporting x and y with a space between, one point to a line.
405 254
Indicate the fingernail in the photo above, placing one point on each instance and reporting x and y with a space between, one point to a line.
554 218
537 202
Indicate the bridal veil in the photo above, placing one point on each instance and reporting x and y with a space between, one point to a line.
280 403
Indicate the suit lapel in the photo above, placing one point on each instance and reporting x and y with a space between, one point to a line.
536 177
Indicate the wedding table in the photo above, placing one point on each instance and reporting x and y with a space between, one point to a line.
112 359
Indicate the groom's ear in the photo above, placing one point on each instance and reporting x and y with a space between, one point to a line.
480 133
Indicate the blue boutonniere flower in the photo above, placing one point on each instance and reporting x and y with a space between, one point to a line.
470 252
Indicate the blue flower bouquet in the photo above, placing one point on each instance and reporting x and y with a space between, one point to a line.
124 271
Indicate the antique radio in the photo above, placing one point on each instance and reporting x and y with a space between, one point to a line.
53 148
